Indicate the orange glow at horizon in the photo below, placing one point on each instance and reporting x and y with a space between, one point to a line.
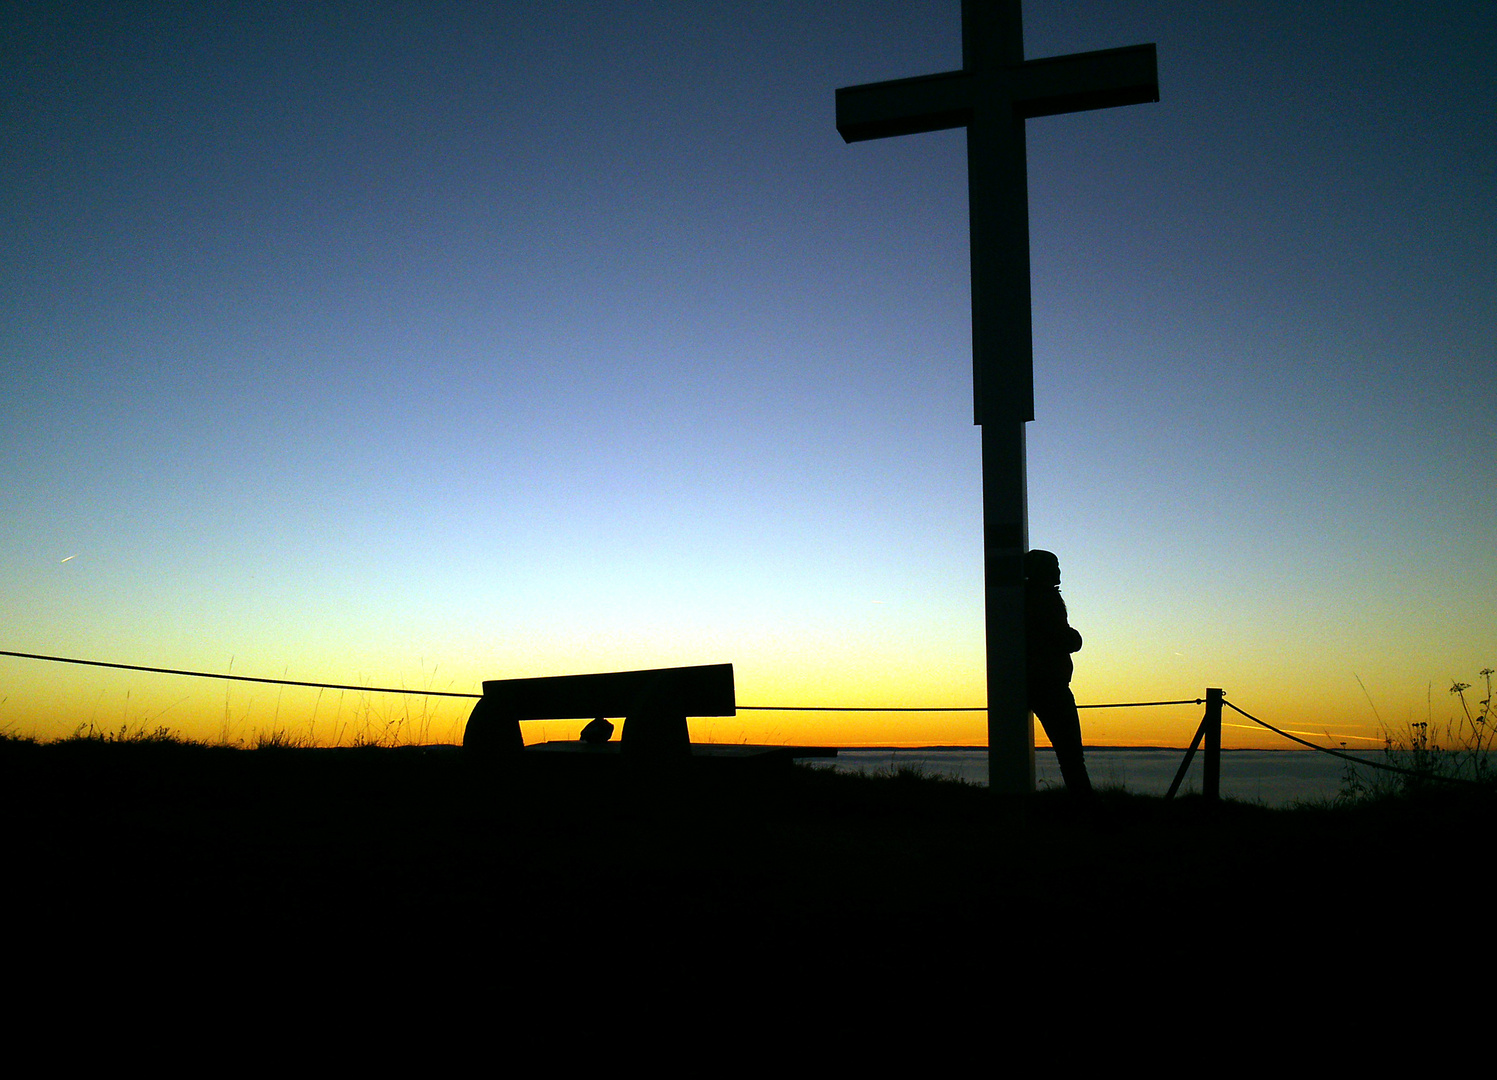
48 701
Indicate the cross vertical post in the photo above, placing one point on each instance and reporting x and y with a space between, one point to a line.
991 96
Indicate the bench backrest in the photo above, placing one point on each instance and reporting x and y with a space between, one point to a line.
703 690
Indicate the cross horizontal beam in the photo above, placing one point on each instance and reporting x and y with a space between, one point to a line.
1080 82
1057 84
904 106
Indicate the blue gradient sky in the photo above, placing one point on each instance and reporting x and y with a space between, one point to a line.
427 343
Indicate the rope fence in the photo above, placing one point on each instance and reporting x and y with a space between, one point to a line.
1208 730
238 678
454 694
1351 757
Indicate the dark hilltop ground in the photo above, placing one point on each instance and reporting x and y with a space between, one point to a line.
414 865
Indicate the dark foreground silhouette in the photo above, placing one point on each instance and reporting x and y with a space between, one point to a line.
410 866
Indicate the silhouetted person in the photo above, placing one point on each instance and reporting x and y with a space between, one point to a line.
598 731
1050 641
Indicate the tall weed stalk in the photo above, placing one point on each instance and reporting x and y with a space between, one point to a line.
1431 756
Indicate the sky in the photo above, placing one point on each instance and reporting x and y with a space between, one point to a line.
421 344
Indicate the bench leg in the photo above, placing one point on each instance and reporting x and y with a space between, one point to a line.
656 732
491 731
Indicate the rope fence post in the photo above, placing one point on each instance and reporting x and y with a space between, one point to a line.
1211 731
1211 768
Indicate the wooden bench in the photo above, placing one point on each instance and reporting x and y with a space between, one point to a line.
654 704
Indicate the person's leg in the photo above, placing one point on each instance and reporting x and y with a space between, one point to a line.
1055 706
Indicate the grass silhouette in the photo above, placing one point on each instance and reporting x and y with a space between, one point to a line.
1428 757
407 866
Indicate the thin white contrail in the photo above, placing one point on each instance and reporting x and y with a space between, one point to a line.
1307 734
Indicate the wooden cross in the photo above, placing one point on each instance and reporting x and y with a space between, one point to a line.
992 95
